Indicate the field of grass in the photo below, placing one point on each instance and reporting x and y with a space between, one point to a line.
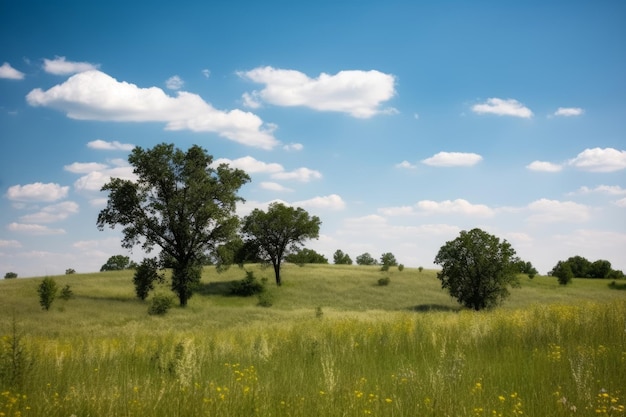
334 343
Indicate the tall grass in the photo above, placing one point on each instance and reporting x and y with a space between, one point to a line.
224 356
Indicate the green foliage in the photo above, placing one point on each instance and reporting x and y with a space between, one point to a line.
15 360
160 304
340 258
116 263
70 271
384 281
146 275
583 268
477 269
388 259
365 259
525 268
179 203
401 267
247 286
306 256
266 298
280 230
47 291
420 269
563 272
10 275
66 293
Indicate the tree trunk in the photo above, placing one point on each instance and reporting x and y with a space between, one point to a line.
277 273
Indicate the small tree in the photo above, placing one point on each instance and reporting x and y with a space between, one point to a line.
116 263
70 271
47 292
10 275
146 274
365 259
66 293
388 260
477 269
340 258
563 272
280 230
306 256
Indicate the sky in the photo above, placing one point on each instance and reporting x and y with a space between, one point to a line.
398 123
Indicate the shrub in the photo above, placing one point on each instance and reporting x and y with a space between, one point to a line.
247 286
66 293
420 269
266 298
384 281
401 267
145 276
160 305
47 292
70 271
10 275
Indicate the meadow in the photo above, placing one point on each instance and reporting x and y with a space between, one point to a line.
334 343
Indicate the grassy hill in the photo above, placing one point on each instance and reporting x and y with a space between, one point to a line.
404 349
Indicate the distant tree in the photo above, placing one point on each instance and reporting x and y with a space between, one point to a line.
365 259
477 268
563 272
70 271
388 260
146 275
580 266
524 267
178 202
47 291
340 258
279 231
306 256
116 263
10 275
421 268
600 269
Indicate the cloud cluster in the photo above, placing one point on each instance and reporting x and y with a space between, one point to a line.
94 95
276 171
60 66
103 145
592 160
502 107
358 93
569 111
10 73
453 159
37 192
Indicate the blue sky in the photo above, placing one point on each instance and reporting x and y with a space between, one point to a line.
398 123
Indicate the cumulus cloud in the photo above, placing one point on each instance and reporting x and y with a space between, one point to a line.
458 206
34 229
94 95
84 167
10 73
568 111
103 145
405 165
273 186
553 211
37 192
329 202
174 83
358 93
397 211
52 213
542 166
250 165
59 66
453 159
600 160
300 174
500 107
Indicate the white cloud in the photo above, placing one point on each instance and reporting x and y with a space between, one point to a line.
10 73
603 189
458 206
95 180
397 211
542 166
251 100
84 167
206 73
553 211
358 93
405 165
37 192
600 160
94 95
329 202
500 107
59 66
300 174
453 159
34 229
621 202
273 186
52 213
10 244
103 145
250 165
568 111
174 83
293 147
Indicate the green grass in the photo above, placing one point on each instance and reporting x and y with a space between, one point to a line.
405 349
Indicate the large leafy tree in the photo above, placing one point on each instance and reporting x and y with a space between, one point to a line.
477 269
116 263
279 231
178 202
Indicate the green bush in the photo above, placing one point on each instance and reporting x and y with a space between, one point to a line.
146 274
66 293
10 275
266 298
401 267
384 281
160 304
247 286
47 292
